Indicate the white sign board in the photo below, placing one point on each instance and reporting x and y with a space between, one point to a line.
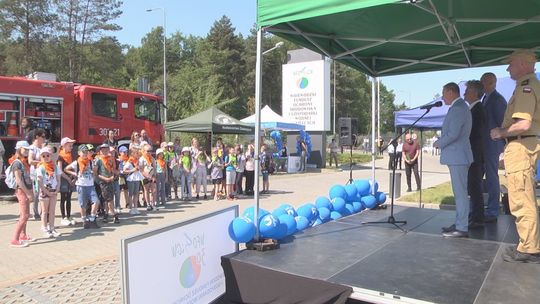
306 94
179 263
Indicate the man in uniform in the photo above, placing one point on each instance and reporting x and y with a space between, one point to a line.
520 128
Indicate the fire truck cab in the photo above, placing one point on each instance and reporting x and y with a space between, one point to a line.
83 112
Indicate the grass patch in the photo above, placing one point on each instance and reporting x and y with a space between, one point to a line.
440 194
344 158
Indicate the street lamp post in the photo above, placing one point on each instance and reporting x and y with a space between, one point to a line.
164 60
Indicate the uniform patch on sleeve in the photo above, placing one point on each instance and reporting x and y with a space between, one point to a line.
527 90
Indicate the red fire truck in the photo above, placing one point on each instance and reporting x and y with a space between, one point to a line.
82 112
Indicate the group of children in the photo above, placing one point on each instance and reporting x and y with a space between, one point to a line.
100 176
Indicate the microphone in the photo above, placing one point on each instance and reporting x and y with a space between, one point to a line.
432 105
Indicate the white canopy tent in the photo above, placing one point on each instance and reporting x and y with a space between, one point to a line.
271 120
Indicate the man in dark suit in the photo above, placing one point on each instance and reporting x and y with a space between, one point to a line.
473 93
457 155
495 106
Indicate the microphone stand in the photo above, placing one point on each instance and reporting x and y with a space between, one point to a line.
391 219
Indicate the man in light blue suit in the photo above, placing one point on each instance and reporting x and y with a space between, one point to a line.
456 153
495 106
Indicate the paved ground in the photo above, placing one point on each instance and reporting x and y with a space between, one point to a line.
55 270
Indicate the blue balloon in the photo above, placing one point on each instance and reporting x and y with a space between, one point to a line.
280 232
369 201
352 192
250 211
363 186
324 214
323 201
290 222
279 211
345 212
337 191
374 186
381 197
269 226
338 204
288 209
301 223
242 230
308 211
317 222
357 206
335 215
350 208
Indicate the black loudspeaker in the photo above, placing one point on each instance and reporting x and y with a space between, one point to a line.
348 127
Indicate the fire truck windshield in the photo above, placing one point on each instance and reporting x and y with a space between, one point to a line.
147 109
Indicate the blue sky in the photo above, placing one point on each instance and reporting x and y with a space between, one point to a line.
197 17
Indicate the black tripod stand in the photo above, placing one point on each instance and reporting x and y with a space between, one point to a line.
350 181
391 219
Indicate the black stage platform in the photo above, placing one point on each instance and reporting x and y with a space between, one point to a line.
382 264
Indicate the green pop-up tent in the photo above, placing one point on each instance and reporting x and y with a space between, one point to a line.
212 121
392 37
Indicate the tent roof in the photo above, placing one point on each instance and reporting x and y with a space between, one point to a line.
272 120
390 37
211 120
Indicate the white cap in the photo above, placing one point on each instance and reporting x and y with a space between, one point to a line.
170 144
46 149
66 140
185 149
159 151
22 144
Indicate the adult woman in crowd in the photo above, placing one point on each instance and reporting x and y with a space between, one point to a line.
132 173
250 169
135 141
110 140
23 191
67 182
123 157
147 164
38 140
200 162
240 168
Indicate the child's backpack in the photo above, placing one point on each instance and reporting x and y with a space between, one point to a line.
10 177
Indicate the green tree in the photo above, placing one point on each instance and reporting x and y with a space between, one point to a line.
222 55
80 23
28 22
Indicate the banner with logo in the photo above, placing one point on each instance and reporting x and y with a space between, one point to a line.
306 94
179 263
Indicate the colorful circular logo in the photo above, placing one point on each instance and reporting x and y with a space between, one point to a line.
190 272
302 83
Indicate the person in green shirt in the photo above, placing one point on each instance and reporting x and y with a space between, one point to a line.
169 155
187 165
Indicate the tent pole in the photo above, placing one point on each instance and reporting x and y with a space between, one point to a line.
378 107
258 94
334 126
421 161
373 132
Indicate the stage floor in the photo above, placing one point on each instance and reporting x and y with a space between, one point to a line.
383 264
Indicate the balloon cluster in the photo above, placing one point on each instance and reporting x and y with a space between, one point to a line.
276 136
285 221
307 139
